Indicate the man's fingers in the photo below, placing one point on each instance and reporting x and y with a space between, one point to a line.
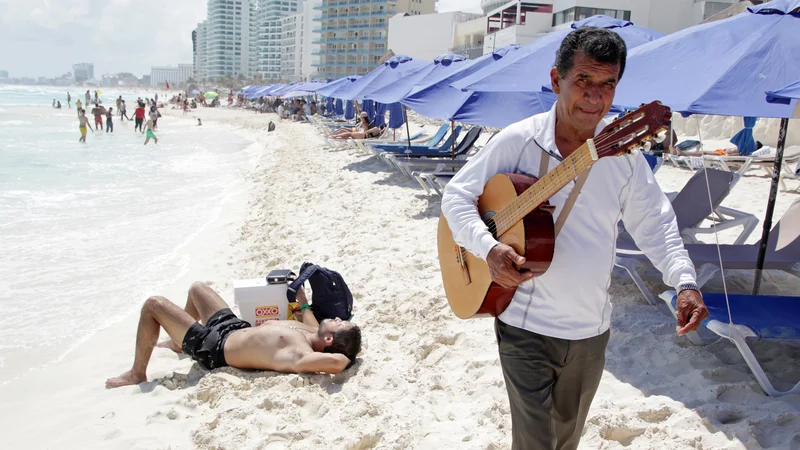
682 316
696 318
519 260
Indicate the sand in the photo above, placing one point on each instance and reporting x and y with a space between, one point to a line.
425 379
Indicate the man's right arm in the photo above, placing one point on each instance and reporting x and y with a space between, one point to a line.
311 362
460 199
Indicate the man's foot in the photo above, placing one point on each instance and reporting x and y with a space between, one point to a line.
168 343
126 379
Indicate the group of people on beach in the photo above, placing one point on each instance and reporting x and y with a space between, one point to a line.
100 112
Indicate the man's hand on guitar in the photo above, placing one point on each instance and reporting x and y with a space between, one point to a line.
503 264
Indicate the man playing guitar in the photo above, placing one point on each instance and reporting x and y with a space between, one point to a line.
552 336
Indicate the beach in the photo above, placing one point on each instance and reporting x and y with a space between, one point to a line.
425 379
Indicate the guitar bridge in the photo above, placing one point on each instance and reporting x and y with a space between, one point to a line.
461 258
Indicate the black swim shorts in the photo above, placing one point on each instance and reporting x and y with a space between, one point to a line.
206 344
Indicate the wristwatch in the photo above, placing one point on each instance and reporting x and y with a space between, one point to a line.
688 287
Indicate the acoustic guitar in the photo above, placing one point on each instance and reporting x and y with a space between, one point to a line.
517 213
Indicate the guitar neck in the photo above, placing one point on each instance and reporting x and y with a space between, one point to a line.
555 180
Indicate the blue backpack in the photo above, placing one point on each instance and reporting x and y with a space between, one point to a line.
332 297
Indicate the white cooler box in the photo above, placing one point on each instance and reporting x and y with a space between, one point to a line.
259 302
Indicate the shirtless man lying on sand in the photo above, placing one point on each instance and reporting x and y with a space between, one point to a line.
222 339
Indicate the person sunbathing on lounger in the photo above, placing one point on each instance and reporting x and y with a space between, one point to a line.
733 150
363 127
221 339
369 134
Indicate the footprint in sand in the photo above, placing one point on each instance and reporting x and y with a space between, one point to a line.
655 415
623 435
729 416
725 375
738 394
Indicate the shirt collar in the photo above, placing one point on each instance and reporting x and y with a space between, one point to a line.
546 135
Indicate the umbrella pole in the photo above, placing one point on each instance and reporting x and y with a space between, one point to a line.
773 194
453 139
408 132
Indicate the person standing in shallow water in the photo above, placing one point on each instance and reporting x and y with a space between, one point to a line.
83 124
109 120
149 133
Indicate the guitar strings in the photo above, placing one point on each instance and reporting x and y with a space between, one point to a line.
511 214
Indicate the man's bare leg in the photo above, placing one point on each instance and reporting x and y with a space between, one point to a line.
157 312
201 303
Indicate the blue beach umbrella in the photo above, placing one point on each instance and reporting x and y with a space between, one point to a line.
786 96
380 114
329 105
438 99
339 107
368 106
391 71
394 92
349 110
329 89
721 67
744 139
529 69
396 117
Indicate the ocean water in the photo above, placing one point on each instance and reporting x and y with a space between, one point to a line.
88 231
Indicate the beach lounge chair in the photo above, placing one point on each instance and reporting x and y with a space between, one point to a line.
751 316
783 253
362 144
406 161
791 157
433 181
434 140
444 149
692 207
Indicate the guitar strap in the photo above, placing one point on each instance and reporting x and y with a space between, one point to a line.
544 162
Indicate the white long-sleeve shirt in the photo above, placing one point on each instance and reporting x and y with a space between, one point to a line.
570 300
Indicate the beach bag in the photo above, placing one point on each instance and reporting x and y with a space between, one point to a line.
271 126
332 297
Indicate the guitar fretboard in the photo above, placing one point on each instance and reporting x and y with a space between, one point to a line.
572 166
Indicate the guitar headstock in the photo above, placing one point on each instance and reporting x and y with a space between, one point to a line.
633 130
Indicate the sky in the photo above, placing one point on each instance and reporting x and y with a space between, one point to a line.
473 6
45 37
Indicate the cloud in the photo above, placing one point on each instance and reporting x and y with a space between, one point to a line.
45 37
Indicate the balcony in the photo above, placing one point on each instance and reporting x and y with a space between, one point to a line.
350 52
381 13
339 3
376 26
367 66
349 40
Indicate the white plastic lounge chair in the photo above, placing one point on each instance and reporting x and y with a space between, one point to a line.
783 253
741 164
691 206
751 316
691 209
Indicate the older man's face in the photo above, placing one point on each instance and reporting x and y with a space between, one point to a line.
586 92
